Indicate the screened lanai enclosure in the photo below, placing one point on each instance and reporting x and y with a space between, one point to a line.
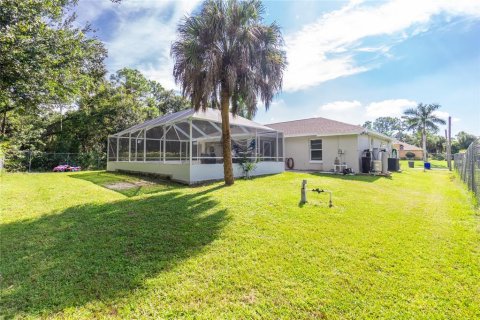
186 146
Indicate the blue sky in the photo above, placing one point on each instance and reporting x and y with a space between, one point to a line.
350 61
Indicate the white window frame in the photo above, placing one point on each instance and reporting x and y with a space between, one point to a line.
310 150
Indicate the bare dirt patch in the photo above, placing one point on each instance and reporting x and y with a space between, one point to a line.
128 185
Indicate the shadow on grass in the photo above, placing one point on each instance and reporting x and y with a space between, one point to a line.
101 252
138 184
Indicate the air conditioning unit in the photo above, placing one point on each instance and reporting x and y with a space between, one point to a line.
377 165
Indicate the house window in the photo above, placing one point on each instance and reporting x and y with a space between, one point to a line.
401 147
316 150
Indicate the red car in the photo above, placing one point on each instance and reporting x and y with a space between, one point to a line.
61 168
66 167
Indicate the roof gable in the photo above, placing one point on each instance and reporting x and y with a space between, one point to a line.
408 147
316 126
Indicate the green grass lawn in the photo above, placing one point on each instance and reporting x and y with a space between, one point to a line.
401 247
435 164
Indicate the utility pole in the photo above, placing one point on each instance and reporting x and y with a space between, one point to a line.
446 140
446 145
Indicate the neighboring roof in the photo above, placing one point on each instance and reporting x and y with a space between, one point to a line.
212 115
408 147
321 127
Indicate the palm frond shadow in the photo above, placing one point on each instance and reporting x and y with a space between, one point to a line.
101 251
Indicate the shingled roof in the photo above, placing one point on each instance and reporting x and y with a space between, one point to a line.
408 147
316 126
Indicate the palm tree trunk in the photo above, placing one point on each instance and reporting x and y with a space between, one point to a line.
226 138
424 144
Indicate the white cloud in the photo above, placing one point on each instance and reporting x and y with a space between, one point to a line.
356 112
321 51
277 112
389 108
341 105
143 34
315 52
444 116
89 11
350 111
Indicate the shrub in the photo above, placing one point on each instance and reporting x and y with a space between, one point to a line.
438 156
410 155
38 161
248 166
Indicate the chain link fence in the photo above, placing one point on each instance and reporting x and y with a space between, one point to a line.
36 161
468 167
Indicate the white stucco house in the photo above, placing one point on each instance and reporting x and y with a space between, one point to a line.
315 143
186 147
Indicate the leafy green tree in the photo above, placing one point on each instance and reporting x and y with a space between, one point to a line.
128 98
422 119
49 65
225 54
368 125
167 101
44 58
436 143
389 126
455 147
465 139
132 92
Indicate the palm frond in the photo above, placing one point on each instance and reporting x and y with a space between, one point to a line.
423 118
226 46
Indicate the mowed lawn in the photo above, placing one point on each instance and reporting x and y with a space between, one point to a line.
404 247
434 164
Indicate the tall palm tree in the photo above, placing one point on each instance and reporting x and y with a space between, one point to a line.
421 119
225 55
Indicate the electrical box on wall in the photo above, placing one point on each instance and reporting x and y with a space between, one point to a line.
341 151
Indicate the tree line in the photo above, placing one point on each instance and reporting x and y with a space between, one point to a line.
55 94
420 124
